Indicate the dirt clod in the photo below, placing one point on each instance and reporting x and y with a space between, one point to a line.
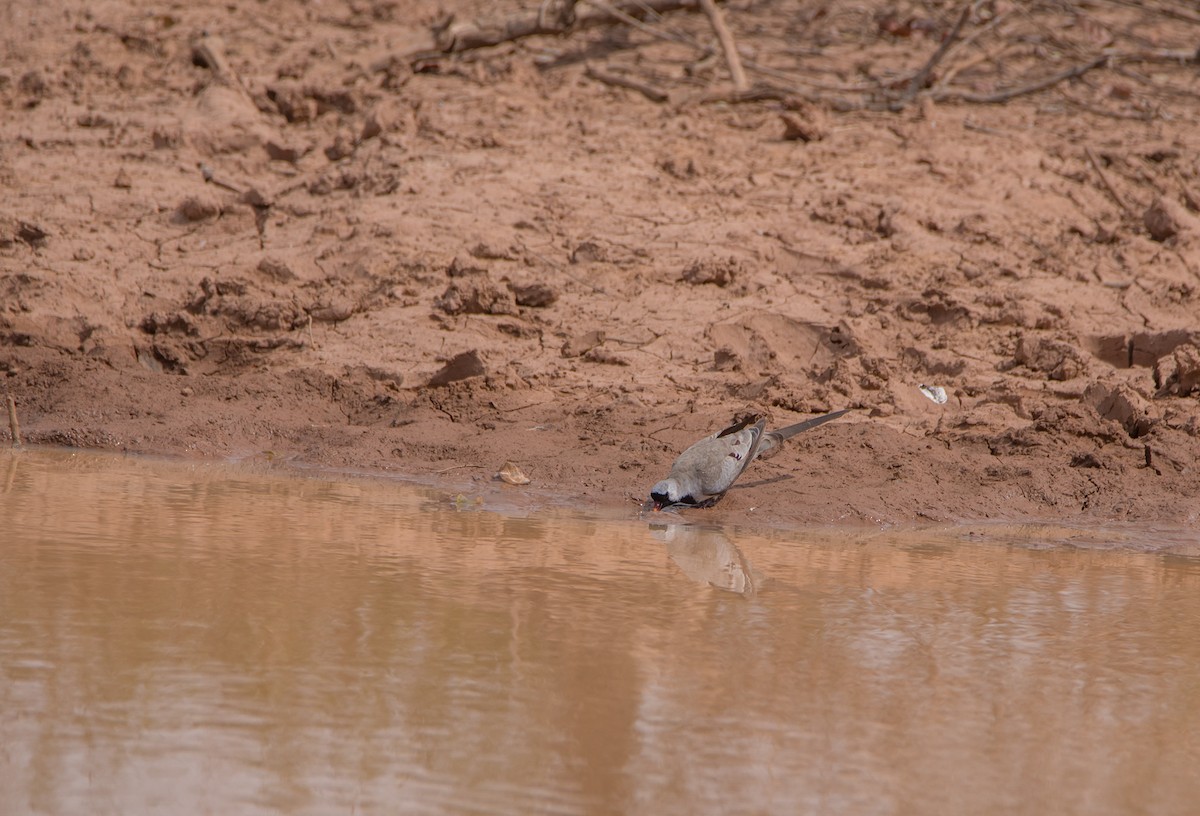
460 367
718 272
476 296
198 207
1178 373
536 295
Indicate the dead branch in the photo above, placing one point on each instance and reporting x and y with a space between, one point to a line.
759 93
921 77
1175 11
452 37
634 22
1141 116
1108 185
728 46
970 39
955 95
1181 57
648 91
960 50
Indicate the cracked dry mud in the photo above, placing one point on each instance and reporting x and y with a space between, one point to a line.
262 230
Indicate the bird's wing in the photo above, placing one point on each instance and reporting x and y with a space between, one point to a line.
712 465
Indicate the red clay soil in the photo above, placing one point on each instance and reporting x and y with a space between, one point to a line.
269 229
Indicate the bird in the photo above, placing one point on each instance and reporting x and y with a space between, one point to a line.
706 470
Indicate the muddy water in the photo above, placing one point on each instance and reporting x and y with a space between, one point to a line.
198 639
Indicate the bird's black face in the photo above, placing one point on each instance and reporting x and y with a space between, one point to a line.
662 499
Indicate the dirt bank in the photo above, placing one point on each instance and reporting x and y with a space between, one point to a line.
284 230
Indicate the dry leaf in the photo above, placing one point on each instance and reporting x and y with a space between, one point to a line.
512 474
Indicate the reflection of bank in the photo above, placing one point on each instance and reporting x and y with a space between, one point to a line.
706 555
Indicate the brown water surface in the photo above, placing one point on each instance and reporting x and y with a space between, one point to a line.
217 639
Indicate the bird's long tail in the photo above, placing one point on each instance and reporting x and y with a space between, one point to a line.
773 439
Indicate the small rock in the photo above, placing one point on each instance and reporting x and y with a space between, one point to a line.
84 254
476 296
14 229
342 147
386 117
1160 220
1054 358
163 139
581 344
805 124
198 208
589 252
718 273
33 84
334 311
604 356
487 252
459 269
1086 460
536 295
276 269
460 367
291 100
122 181
283 152
92 119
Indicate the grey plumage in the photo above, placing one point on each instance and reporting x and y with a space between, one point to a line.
703 472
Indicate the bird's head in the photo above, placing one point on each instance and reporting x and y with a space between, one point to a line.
665 494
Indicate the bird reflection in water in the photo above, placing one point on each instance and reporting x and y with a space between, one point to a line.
708 556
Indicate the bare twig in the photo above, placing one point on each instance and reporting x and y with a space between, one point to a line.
759 93
1141 116
1173 10
1108 185
821 86
954 95
634 22
14 427
1157 55
728 46
990 55
921 77
969 124
456 37
970 39
648 91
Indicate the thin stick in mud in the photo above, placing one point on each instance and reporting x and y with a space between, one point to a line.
14 427
728 46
